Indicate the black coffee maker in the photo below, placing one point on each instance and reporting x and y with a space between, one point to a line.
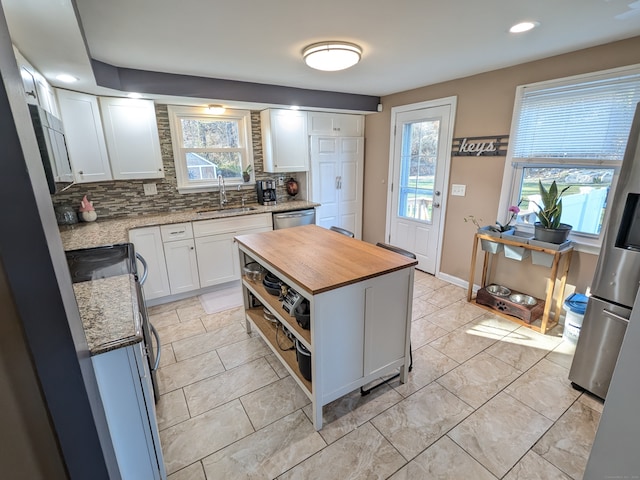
266 190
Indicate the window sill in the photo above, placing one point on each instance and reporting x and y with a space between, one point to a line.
581 244
208 188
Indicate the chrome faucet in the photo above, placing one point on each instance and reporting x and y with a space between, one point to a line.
223 192
243 199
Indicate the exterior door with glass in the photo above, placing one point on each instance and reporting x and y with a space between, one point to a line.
421 149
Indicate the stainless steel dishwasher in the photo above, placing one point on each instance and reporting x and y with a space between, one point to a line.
294 219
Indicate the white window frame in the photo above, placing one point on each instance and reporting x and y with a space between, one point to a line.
513 172
176 113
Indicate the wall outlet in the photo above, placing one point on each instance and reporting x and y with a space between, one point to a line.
458 190
150 189
280 181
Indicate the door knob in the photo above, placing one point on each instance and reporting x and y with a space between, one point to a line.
436 205
437 192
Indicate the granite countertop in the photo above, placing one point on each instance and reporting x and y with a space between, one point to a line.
109 312
111 231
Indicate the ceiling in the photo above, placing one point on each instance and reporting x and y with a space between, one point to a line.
406 44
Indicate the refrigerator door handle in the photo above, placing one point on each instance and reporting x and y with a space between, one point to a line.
614 315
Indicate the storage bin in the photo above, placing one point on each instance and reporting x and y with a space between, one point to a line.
575 305
304 360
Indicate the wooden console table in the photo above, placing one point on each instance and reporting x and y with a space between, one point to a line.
558 256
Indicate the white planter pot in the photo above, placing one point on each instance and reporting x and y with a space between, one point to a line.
542 258
515 252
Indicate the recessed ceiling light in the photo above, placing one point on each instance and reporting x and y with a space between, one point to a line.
523 27
294 107
332 56
134 95
216 109
66 78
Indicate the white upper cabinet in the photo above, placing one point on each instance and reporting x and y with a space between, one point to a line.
37 89
335 124
284 140
131 132
85 138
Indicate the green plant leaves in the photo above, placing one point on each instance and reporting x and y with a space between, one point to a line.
550 213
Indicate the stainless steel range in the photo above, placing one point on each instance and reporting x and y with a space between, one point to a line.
108 261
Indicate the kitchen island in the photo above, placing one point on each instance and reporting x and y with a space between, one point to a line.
359 296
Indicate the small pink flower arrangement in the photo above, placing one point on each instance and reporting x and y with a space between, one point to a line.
514 210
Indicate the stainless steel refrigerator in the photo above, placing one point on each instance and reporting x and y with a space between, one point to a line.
615 281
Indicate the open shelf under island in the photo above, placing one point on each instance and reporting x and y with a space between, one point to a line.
360 299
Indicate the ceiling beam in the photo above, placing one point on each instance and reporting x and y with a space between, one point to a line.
159 83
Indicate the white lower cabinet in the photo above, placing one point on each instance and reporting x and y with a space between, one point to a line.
217 259
124 382
182 266
180 256
186 257
148 243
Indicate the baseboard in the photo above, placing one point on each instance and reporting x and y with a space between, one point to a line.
456 281
192 293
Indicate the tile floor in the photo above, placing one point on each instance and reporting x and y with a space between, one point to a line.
487 399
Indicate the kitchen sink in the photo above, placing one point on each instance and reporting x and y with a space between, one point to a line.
220 211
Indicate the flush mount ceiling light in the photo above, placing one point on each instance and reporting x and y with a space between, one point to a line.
134 95
216 109
332 56
523 27
66 78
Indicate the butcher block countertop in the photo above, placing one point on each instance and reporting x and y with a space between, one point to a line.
319 259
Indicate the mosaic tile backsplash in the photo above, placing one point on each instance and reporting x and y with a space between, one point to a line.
126 198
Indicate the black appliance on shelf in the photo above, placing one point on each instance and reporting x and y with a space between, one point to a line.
266 190
88 264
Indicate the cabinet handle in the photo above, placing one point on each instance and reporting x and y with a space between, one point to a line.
177 232
81 172
31 93
614 315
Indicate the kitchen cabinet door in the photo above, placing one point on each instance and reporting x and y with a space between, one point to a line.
182 266
217 259
335 124
284 140
131 134
337 174
84 135
148 243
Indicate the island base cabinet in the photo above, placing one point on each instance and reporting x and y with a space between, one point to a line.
358 332
385 338
125 388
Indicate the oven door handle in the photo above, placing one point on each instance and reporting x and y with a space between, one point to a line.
159 352
146 268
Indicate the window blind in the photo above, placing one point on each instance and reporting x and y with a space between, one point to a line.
588 120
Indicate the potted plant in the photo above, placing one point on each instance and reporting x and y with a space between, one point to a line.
246 173
548 228
498 230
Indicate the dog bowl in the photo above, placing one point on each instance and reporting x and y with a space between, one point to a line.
498 290
522 299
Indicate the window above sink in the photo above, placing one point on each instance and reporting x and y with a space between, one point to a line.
206 146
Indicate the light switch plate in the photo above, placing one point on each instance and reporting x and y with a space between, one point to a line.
150 189
458 190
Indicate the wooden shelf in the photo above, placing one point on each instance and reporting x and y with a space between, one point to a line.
545 323
267 331
275 306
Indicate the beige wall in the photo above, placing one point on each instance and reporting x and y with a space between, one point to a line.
484 107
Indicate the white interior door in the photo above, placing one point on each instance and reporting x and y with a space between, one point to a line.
337 165
421 150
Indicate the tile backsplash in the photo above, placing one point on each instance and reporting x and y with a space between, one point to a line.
126 197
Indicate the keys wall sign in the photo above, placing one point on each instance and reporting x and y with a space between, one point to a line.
492 146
